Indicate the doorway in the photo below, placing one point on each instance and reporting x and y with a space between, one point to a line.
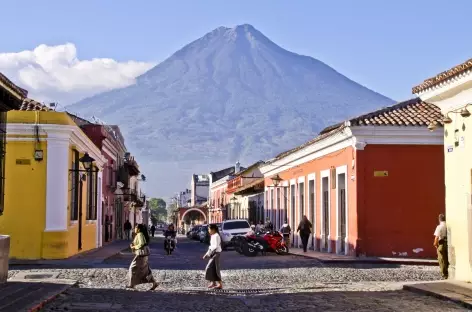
342 213
325 214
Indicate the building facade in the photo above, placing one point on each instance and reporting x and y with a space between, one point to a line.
452 92
199 188
243 205
52 201
371 186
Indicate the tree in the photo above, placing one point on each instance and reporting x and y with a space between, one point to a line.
158 210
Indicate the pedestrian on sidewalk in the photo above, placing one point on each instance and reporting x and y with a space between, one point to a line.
304 228
269 226
212 270
153 230
440 242
139 270
286 231
127 227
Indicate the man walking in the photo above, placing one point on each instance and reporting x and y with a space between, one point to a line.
153 230
286 232
127 227
440 242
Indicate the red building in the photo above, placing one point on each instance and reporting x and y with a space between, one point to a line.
371 186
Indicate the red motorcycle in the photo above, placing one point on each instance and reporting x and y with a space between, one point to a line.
270 241
276 243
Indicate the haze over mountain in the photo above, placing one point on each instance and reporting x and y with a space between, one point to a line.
231 95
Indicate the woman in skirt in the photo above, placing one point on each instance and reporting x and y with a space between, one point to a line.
212 271
139 269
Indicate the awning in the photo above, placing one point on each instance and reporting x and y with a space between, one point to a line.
255 187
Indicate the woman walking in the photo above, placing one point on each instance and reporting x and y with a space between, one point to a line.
305 230
212 270
139 269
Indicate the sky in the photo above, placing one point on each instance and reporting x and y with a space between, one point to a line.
62 51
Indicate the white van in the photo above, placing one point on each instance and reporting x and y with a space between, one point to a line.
232 228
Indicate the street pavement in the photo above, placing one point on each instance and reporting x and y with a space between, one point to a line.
262 283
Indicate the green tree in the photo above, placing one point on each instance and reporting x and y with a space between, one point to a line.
158 210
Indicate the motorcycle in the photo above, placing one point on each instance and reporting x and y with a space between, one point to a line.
263 242
169 245
276 243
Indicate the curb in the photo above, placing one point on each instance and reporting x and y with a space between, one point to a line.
436 295
41 305
367 261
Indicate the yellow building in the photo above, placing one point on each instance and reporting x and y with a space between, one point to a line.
52 204
452 92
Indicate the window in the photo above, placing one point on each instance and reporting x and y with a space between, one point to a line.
92 187
292 206
271 209
235 225
74 196
278 213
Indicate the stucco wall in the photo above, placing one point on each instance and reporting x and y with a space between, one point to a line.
398 213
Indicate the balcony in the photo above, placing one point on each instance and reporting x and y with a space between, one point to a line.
131 166
140 200
233 184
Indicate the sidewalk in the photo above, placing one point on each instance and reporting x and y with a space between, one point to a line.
90 257
332 258
458 292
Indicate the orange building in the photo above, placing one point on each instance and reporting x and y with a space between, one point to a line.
371 186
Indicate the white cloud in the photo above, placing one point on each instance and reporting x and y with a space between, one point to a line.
55 74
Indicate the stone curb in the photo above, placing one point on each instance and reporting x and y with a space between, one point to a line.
367 261
49 299
417 290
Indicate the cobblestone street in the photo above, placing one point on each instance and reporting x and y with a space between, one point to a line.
262 283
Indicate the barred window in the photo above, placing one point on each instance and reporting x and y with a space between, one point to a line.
92 188
74 196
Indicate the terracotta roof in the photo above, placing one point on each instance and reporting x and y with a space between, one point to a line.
409 113
250 185
457 70
32 105
21 92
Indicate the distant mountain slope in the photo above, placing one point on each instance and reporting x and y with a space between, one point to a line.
231 95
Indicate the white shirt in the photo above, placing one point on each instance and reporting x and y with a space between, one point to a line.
441 230
215 243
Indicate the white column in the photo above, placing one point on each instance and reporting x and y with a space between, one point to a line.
99 231
57 184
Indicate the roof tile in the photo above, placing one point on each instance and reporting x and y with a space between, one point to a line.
32 105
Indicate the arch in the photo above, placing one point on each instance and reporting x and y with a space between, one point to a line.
193 209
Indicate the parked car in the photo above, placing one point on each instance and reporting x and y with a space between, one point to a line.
232 228
202 232
195 232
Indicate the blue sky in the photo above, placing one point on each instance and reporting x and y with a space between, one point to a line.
388 46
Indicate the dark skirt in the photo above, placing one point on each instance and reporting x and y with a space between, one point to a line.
139 271
212 270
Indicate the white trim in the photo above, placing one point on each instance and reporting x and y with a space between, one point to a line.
341 170
446 85
312 212
57 182
325 174
357 137
292 181
301 179
74 134
284 183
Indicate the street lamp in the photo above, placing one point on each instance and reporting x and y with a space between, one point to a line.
87 162
276 180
